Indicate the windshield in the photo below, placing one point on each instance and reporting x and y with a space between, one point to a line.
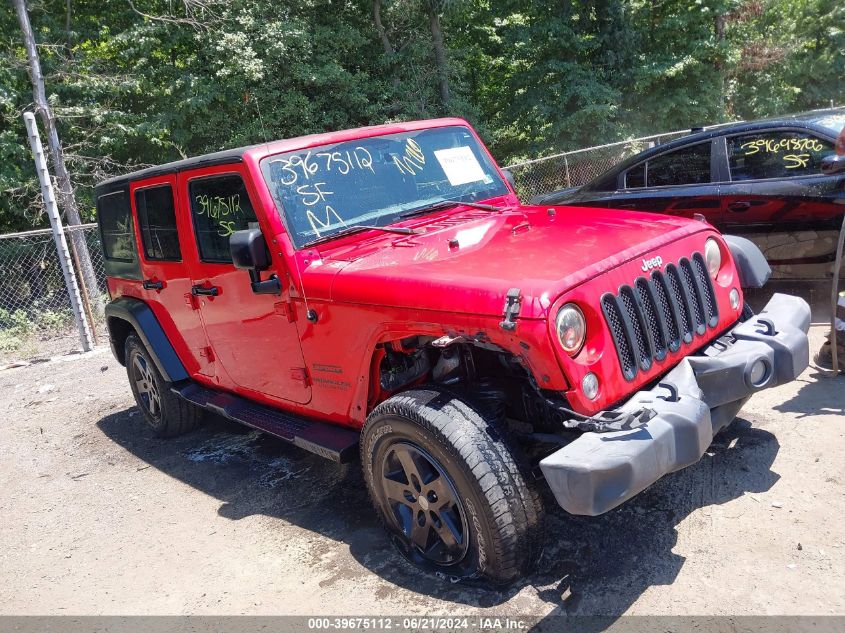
325 190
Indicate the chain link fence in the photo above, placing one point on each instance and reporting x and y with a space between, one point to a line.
36 318
578 167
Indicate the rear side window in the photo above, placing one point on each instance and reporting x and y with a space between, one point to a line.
776 155
115 220
157 221
686 166
220 206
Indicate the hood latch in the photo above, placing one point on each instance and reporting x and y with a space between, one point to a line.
512 304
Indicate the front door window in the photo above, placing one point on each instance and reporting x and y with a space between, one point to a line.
776 155
220 206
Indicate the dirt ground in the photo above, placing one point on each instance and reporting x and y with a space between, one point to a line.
99 517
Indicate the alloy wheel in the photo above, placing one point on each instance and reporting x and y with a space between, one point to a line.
147 387
424 504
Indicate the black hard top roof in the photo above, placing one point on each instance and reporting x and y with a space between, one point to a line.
206 160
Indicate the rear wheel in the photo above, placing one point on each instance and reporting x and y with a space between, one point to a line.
165 412
447 488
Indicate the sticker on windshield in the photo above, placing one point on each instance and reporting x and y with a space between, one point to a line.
460 165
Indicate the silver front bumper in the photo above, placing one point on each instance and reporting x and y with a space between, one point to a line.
598 471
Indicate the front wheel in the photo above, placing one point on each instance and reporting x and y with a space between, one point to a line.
447 488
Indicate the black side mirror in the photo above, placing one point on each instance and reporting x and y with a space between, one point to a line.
833 164
509 177
249 252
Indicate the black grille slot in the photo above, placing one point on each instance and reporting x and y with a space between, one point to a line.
620 336
638 327
649 306
710 307
667 310
658 315
681 301
694 293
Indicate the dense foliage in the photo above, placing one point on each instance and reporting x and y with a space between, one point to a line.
147 81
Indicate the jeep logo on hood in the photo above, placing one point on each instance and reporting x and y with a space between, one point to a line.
654 262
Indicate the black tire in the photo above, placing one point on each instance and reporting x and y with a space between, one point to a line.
167 414
747 313
498 516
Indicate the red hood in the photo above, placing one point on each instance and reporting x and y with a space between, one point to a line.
543 255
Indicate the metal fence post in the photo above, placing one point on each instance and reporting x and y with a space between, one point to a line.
566 166
85 336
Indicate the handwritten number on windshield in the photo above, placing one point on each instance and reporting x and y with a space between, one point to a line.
300 170
302 167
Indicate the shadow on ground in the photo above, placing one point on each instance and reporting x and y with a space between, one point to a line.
595 566
816 397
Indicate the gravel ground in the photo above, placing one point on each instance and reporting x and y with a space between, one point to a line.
100 517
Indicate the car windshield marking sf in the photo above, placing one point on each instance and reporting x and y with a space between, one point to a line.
325 191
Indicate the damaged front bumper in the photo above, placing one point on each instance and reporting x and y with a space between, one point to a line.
599 471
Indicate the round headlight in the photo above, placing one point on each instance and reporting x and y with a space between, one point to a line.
571 328
713 257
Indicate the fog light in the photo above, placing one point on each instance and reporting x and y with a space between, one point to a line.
759 373
590 386
734 297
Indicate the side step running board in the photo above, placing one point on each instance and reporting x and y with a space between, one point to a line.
336 443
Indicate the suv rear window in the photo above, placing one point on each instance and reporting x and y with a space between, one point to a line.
115 219
157 221
220 206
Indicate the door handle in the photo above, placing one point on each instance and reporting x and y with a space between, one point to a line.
211 291
739 206
149 284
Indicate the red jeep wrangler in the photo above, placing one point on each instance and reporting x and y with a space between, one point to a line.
382 292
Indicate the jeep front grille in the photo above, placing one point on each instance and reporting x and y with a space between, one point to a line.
658 315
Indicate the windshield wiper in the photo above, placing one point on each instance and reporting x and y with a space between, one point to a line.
442 204
401 230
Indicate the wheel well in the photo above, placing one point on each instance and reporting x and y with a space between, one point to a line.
490 376
119 330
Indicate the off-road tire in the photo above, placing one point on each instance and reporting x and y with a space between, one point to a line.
172 416
504 514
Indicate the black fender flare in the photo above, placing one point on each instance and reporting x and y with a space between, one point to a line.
140 316
754 270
